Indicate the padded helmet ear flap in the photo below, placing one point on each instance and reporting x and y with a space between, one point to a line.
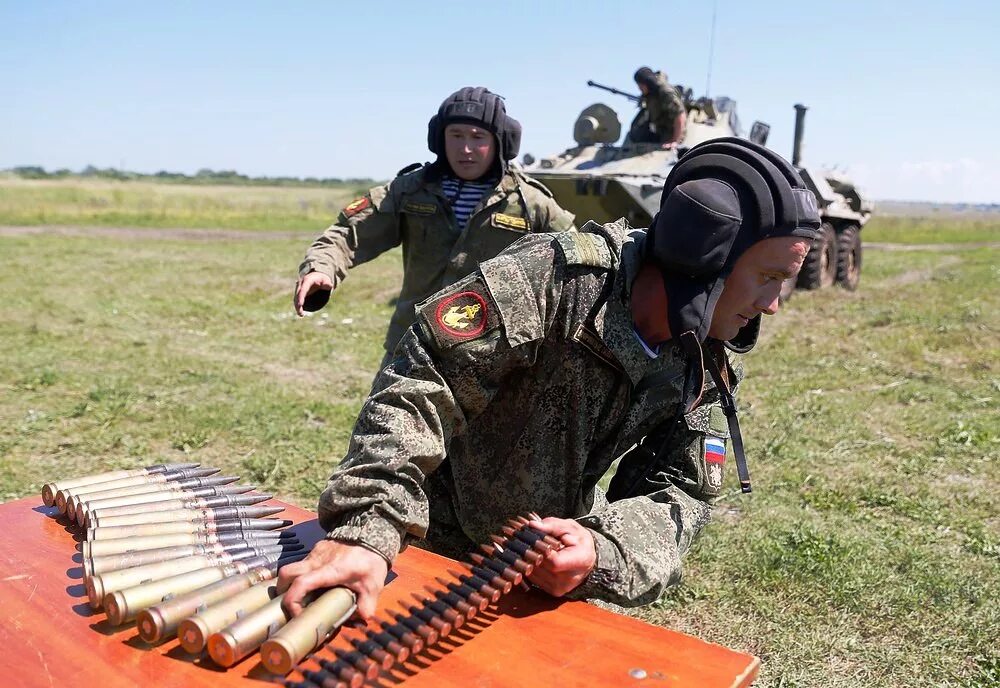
434 135
510 140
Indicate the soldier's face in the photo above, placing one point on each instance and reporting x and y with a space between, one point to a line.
469 149
753 286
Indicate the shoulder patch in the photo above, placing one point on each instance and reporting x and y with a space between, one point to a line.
356 206
537 184
460 315
409 168
419 208
583 248
509 222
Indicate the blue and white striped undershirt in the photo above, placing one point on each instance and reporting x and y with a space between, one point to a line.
464 196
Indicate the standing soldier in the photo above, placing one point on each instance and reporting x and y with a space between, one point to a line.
661 116
449 215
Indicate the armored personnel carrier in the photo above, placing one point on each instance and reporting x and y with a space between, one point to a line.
599 180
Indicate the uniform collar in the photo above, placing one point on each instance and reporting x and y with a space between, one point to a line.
507 184
614 319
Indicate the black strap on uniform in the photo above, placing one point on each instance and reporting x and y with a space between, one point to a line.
729 408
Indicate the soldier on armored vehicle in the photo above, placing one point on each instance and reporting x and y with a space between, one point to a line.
662 113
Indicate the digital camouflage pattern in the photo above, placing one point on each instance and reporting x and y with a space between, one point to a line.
462 432
412 210
663 104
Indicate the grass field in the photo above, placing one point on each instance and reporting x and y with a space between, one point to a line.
142 204
868 555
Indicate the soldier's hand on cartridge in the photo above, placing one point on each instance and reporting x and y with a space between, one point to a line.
565 569
330 564
308 284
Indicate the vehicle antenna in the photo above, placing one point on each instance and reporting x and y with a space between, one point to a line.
711 52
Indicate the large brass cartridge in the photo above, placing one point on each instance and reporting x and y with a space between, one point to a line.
66 495
307 631
189 515
171 486
103 548
126 560
228 495
82 508
98 586
194 631
146 483
210 519
49 490
124 605
161 621
244 636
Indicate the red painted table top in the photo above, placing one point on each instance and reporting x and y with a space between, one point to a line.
50 637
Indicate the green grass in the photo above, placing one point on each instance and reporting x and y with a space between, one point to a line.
144 204
932 230
868 554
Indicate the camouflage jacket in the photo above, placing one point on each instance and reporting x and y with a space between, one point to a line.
663 104
523 383
412 210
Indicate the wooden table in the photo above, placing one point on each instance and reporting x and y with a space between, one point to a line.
50 637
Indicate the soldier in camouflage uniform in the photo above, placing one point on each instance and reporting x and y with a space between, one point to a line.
662 116
518 387
422 209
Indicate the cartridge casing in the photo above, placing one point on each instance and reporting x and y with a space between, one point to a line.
124 605
194 631
49 490
127 560
189 515
161 621
101 548
244 636
85 506
307 631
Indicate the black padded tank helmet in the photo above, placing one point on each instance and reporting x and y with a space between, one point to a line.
719 199
481 107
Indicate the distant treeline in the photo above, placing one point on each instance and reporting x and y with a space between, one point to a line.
203 176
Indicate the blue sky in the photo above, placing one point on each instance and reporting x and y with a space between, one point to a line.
902 95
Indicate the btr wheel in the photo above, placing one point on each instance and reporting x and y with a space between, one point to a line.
787 289
820 266
849 257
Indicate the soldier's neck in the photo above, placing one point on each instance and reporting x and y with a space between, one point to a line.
648 305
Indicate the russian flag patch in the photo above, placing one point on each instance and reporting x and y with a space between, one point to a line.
715 450
715 456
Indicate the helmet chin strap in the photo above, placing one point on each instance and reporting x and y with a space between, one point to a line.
729 408
695 351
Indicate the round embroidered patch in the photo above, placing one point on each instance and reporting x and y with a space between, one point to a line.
357 206
462 315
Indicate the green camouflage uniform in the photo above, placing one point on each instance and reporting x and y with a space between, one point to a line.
662 105
412 210
514 392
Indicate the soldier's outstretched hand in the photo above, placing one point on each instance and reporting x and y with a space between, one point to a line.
332 563
566 569
306 286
